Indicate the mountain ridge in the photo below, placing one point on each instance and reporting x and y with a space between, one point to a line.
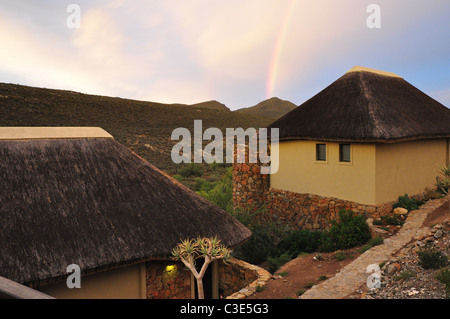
272 108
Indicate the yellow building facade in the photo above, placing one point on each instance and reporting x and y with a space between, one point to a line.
122 283
374 174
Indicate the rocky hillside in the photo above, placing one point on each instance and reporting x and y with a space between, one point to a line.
145 127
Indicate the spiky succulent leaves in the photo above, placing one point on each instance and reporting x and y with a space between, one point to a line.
443 183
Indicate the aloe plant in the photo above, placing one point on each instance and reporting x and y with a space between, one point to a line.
443 182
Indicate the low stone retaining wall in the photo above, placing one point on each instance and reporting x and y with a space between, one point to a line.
239 279
310 211
252 191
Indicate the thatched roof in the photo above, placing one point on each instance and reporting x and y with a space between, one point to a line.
94 203
366 105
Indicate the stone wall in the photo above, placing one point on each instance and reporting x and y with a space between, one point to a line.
167 283
250 187
239 279
309 211
252 191
233 277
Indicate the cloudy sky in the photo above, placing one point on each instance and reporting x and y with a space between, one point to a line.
238 52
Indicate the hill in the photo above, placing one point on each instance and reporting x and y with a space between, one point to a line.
144 127
272 108
212 105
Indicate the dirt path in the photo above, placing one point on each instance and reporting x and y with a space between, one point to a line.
300 273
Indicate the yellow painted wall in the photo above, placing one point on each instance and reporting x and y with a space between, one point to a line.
378 173
122 283
300 172
408 167
448 151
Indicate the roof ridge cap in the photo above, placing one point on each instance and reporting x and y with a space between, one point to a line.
49 132
375 71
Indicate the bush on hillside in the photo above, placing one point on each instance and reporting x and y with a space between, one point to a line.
432 258
221 192
443 276
276 262
300 241
348 231
258 247
191 169
391 220
408 203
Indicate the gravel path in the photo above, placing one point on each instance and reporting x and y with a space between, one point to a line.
355 274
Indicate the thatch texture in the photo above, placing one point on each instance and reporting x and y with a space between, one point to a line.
367 107
92 202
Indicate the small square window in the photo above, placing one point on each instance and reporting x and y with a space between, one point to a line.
344 153
321 152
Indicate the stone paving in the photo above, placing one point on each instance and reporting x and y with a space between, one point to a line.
355 274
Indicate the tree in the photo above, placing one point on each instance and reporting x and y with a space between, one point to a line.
188 251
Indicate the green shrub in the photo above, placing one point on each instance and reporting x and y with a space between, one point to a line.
431 258
408 203
340 256
403 275
300 241
245 217
392 220
258 247
178 177
433 193
260 288
276 262
300 292
348 231
309 285
377 222
201 184
364 248
375 241
220 193
372 242
443 181
191 169
326 242
443 276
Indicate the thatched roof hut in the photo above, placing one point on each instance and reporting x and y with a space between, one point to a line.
367 105
86 199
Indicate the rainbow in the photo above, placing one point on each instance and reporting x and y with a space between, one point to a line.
275 61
